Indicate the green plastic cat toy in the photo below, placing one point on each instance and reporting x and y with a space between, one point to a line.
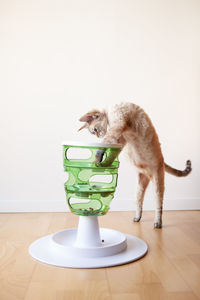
95 195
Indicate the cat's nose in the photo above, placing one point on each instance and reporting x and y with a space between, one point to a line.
101 134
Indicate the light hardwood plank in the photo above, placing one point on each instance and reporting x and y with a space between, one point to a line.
169 271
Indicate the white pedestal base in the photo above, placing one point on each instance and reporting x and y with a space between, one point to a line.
62 249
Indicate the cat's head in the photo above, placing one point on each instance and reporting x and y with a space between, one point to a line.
96 122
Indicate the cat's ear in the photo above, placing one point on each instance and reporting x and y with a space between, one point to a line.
87 118
90 116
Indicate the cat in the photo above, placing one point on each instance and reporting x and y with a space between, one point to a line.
128 124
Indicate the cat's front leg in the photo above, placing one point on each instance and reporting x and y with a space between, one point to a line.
113 136
99 156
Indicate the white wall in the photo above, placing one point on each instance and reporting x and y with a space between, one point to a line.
60 58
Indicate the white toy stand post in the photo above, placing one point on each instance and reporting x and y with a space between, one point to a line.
88 234
88 246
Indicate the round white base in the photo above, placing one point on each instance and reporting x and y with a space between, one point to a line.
60 249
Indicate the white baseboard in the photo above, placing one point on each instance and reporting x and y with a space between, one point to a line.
33 206
116 205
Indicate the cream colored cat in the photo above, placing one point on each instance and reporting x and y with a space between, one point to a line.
128 124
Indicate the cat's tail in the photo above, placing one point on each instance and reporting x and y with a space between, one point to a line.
179 173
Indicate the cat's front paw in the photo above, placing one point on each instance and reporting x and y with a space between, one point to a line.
158 225
99 156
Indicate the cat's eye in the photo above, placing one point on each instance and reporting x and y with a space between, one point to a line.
95 130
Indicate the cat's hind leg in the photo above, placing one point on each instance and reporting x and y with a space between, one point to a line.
158 182
143 182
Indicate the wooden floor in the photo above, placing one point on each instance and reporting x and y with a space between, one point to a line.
170 270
